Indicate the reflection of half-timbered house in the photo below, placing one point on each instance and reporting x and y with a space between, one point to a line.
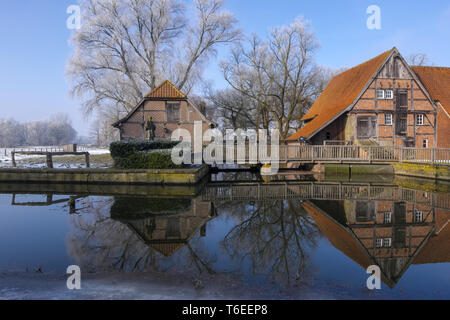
383 102
165 225
390 234
169 108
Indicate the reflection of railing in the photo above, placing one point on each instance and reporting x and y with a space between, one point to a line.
322 191
71 201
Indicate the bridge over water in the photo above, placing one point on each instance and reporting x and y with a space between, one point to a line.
346 154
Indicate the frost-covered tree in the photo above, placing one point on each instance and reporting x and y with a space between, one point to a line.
278 74
11 133
126 47
55 131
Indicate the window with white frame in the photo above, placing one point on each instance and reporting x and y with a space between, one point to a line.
379 243
387 217
389 94
418 216
387 242
425 143
380 94
388 119
420 120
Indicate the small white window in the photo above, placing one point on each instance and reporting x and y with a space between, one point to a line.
388 119
380 94
425 143
387 217
379 243
387 242
420 119
418 216
389 94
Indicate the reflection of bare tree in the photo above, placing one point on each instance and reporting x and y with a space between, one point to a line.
274 237
99 243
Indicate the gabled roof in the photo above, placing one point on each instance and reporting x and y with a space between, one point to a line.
167 249
437 82
341 92
166 90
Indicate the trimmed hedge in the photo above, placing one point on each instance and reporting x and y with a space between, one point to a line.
123 149
150 160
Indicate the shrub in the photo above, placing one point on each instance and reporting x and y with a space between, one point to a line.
123 149
160 159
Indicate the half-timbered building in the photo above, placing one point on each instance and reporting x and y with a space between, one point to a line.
385 102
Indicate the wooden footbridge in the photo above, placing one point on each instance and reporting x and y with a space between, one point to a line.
347 154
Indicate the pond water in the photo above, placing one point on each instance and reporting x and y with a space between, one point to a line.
250 239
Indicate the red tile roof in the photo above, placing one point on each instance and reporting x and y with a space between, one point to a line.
340 237
166 90
437 82
340 93
437 249
167 249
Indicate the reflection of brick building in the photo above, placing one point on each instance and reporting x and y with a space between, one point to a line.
169 108
167 229
392 235
383 101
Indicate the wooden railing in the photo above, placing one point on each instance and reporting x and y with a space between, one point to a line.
322 191
365 154
338 154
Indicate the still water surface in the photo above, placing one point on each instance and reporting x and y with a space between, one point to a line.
278 237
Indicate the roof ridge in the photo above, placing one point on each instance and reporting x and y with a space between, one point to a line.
363 63
430 67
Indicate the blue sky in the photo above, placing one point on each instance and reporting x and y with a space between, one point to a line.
34 43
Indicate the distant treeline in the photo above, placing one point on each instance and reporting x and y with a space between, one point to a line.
55 131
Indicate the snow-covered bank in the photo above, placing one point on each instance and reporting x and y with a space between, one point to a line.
34 161
163 286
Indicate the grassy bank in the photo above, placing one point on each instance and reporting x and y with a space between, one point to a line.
97 161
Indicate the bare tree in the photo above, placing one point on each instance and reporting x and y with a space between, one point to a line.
126 47
418 59
234 109
279 74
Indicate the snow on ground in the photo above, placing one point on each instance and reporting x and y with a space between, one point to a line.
162 286
5 157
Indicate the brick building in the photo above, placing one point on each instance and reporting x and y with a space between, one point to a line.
382 102
169 108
